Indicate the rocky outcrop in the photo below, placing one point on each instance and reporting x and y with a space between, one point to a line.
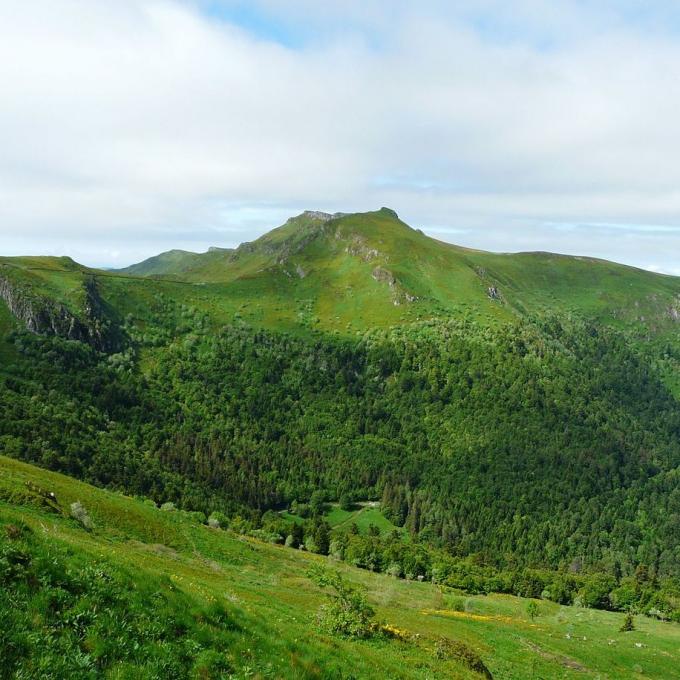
317 215
358 247
384 275
399 295
48 317
674 309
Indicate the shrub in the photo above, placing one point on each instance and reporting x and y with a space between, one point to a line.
528 584
458 604
657 613
317 503
336 549
218 520
168 507
347 612
195 516
394 569
79 513
439 572
456 650
532 610
560 590
266 536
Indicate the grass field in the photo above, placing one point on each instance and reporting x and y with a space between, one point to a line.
272 603
364 515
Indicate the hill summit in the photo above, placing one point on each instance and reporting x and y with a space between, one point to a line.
372 268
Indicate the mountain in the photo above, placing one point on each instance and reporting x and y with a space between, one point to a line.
372 269
519 410
164 263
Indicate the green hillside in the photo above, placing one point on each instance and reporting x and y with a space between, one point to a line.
371 269
486 423
146 593
172 261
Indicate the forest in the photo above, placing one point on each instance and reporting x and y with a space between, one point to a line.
548 444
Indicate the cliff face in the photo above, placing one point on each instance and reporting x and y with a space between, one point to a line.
44 316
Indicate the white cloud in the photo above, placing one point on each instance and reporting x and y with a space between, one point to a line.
139 125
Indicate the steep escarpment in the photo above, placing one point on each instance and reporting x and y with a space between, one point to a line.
90 324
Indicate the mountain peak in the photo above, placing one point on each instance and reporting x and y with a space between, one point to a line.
389 211
321 216
318 215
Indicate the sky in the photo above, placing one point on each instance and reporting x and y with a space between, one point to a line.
136 126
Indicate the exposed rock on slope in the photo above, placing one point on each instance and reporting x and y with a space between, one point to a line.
44 316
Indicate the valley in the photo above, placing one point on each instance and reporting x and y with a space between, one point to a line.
458 432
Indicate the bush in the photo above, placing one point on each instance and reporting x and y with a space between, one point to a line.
458 604
446 649
394 569
79 513
560 589
347 612
336 549
195 516
317 503
266 536
168 507
218 520
528 584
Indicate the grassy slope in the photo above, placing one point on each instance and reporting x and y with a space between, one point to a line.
169 262
57 278
363 516
273 604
